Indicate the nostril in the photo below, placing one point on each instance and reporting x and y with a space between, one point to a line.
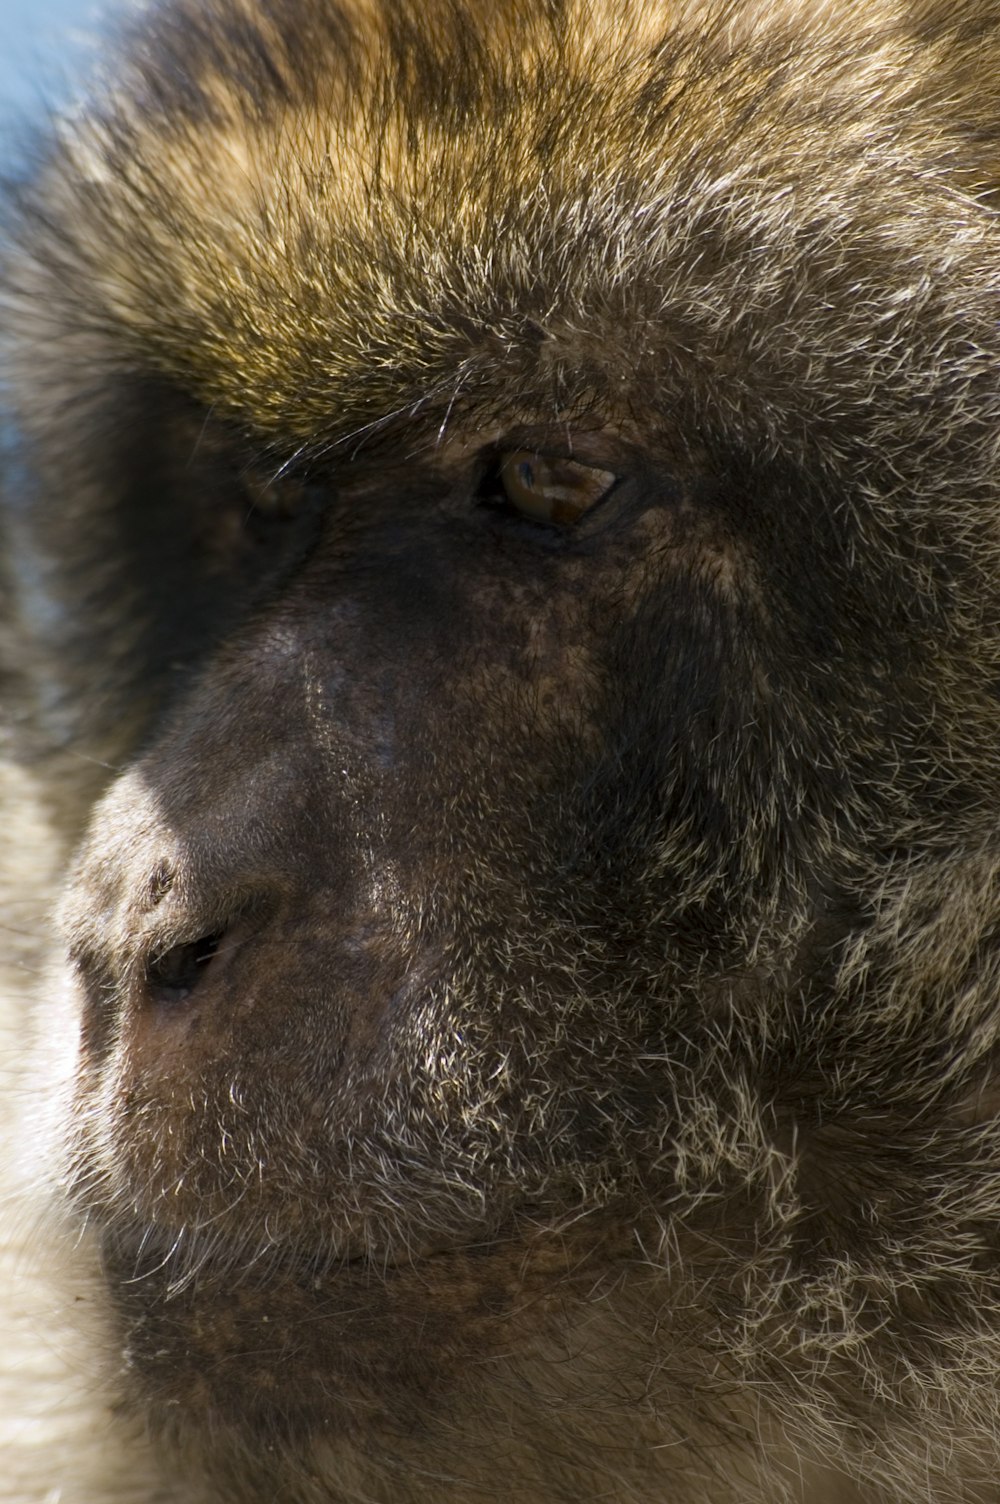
175 974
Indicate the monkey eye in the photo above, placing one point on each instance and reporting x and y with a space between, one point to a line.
276 498
548 488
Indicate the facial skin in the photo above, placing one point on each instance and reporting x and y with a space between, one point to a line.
512 495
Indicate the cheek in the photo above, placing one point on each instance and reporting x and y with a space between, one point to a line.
530 686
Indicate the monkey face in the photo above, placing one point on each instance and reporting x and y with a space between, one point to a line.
385 943
403 942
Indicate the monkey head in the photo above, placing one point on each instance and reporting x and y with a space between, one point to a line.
512 492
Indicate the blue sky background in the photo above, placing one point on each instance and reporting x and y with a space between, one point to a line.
42 46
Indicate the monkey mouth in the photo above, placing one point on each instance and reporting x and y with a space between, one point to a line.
199 1228
173 1262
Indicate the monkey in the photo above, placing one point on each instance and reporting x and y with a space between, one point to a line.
500 655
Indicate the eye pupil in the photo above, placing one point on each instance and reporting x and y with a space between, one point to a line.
526 474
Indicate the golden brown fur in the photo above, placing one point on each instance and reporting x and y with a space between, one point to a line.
523 1022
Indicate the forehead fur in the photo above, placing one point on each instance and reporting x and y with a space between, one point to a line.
314 215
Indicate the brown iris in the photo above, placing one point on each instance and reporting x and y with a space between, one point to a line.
551 489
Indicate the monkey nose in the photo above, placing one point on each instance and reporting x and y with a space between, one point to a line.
172 939
195 951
